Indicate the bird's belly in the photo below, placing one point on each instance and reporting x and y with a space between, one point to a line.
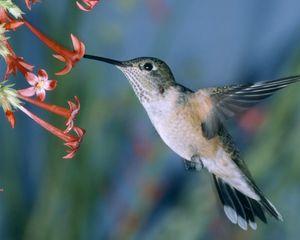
181 135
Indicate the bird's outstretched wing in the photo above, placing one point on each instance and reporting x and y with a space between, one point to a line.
231 100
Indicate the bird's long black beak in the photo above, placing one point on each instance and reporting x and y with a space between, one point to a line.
107 60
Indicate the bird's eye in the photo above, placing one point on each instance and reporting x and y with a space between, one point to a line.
148 66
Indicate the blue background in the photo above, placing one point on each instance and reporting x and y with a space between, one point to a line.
125 183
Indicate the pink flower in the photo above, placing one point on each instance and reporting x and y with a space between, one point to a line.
63 54
40 84
90 4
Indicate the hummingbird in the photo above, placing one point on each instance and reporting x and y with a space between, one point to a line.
191 123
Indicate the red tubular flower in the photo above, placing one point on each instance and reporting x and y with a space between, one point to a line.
13 25
68 114
63 54
11 118
74 145
72 141
39 83
90 4
15 63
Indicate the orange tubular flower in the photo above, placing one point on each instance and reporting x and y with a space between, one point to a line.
15 63
63 54
10 118
70 140
13 25
68 114
90 4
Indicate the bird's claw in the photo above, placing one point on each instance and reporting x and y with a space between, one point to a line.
195 164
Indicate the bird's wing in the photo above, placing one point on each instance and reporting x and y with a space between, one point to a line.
231 100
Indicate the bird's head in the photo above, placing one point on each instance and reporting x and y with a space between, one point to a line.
148 76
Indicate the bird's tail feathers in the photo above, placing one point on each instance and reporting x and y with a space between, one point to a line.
241 209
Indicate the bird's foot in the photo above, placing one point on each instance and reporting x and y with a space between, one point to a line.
195 164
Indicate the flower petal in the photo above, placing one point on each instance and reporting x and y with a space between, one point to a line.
70 125
90 4
41 94
74 145
79 48
79 131
30 2
59 57
50 85
42 74
66 69
74 110
27 92
70 154
25 65
11 118
31 78
13 25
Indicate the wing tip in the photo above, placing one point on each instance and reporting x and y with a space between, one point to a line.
274 211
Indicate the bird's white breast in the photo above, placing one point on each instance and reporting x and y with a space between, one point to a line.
173 125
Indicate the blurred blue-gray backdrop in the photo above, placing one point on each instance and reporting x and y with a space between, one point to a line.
124 182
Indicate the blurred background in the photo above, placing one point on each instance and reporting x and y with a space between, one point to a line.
125 183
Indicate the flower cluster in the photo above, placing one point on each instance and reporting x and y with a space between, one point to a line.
11 99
